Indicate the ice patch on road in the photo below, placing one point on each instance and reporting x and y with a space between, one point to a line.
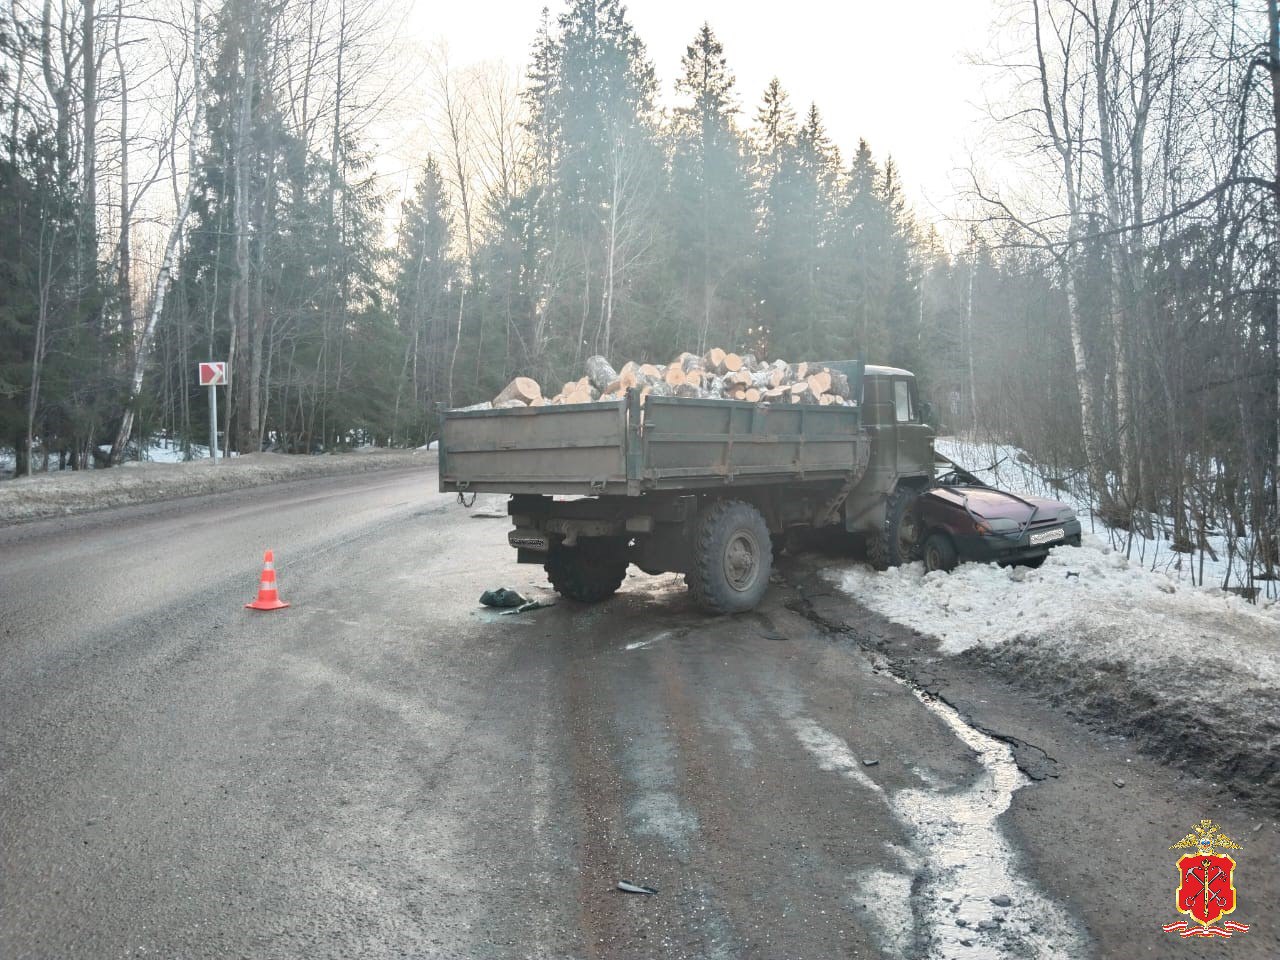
969 860
832 752
642 644
657 813
885 897
649 765
965 860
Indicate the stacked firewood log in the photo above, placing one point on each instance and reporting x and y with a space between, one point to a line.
716 375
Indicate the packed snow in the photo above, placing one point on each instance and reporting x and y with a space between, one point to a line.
1088 602
67 492
1010 468
1193 672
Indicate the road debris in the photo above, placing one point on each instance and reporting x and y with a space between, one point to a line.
530 605
503 597
626 886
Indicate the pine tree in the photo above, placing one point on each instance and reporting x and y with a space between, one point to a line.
710 194
424 279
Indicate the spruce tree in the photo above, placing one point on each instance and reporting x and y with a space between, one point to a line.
710 196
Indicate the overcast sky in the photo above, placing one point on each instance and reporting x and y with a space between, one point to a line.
896 74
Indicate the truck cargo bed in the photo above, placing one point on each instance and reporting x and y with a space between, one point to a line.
668 443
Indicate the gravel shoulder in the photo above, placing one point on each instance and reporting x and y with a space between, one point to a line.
72 492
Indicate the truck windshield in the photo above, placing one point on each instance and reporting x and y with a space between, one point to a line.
902 401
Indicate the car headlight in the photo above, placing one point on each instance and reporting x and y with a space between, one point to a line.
1065 514
1000 525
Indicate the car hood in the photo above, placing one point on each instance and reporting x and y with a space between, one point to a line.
989 503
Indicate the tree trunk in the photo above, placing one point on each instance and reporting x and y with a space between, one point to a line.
1273 68
240 290
89 222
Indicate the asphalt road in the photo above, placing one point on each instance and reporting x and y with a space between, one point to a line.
386 769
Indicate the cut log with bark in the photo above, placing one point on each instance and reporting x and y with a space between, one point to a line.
819 382
524 389
486 405
801 392
686 361
839 384
599 373
717 374
582 395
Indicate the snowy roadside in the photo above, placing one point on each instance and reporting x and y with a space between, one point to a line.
1191 672
1010 468
70 492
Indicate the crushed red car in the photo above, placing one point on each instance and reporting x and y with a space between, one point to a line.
962 518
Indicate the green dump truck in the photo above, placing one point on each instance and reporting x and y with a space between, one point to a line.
707 488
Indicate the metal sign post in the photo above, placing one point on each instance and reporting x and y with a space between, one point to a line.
213 375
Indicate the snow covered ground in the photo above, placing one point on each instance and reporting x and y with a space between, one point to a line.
1006 466
67 492
1192 671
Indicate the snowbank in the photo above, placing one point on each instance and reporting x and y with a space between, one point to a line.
1011 468
1194 672
68 492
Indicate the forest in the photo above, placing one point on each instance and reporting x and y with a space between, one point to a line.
186 182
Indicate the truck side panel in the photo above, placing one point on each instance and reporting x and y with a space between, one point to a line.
585 449
741 442
571 449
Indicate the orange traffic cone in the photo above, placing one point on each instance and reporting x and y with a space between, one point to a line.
268 598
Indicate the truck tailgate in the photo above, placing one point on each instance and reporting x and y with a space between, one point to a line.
570 449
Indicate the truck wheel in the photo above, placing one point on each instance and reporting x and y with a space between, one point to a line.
898 539
592 571
939 553
732 557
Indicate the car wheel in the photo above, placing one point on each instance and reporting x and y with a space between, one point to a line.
590 572
898 539
732 557
1035 563
939 553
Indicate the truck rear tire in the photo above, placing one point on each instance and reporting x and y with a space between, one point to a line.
590 572
732 557
898 539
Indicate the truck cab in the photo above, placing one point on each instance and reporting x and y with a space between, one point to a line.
901 464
